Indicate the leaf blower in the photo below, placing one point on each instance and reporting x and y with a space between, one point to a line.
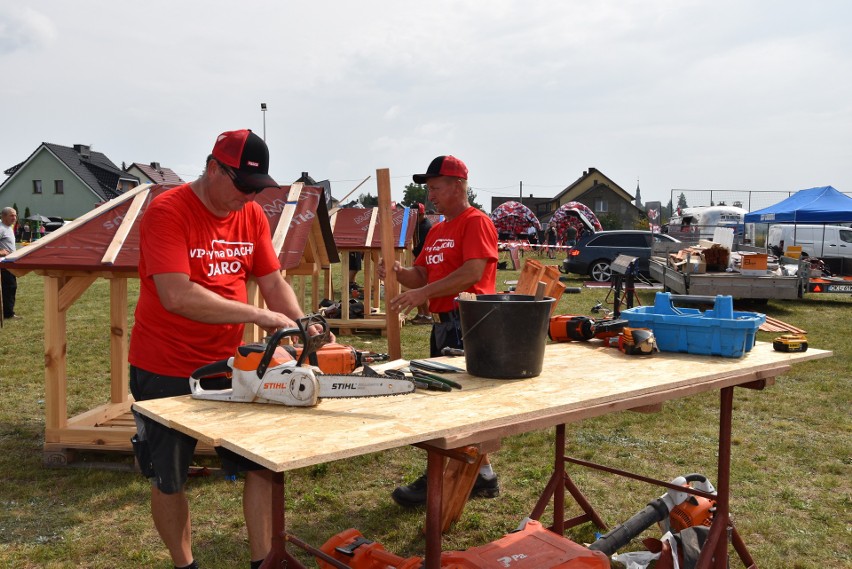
677 509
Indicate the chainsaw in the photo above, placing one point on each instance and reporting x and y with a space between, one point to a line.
267 373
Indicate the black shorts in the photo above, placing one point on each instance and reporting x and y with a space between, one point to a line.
445 335
355 260
165 454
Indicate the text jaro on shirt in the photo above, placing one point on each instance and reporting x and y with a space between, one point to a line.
223 257
435 252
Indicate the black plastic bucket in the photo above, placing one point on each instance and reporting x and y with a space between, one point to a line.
504 334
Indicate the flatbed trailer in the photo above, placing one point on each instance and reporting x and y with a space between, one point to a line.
734 284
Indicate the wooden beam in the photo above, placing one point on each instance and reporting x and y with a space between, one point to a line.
371 228
391 284
286 217
124 229
119 332
55 378
71 289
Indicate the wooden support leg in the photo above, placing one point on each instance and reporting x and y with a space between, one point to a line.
459 478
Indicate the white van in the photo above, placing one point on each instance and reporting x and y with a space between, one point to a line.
832 243
703 221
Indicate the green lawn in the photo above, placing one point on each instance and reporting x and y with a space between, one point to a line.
791 459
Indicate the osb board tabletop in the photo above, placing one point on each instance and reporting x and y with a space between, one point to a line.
579 380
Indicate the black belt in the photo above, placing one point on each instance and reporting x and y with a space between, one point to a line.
445 316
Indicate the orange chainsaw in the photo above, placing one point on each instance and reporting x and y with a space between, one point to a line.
267 373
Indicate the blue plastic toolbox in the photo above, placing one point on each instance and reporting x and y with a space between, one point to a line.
718 331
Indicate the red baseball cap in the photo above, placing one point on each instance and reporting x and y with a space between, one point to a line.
248 156
443 166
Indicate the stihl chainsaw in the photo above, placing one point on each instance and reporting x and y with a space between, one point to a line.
267 373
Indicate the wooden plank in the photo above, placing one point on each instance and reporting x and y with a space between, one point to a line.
71 289
124 229
55 388
100 415
119 334
280 233
371 228
388 252
531 273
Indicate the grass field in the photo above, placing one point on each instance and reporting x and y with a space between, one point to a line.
792 459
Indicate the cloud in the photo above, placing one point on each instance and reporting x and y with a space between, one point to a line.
24 29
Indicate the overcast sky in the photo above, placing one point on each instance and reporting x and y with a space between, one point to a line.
728 94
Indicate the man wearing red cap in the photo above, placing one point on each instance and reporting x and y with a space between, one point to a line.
459 255
199 244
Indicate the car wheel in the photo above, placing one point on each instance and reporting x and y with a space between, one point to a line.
600 271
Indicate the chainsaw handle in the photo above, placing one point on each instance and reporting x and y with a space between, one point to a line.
310 343
210 370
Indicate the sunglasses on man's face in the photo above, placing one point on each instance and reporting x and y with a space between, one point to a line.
242 187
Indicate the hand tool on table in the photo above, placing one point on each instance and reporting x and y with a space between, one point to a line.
435 367
420 374
567 328
419 381
447 351
637 341
269 374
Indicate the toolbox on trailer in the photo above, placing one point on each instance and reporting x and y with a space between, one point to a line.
719 331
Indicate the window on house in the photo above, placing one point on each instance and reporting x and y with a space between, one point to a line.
59 186
600 205
36 186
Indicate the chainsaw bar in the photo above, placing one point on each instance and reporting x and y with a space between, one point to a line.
340 386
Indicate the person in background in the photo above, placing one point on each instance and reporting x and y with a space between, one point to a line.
459 254
551 242
199 244
9 282
423 227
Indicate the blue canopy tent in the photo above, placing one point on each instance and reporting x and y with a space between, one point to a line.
814 205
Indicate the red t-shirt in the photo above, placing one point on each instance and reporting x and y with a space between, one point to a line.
178 234
449 244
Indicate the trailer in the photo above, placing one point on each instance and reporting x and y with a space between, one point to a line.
735 284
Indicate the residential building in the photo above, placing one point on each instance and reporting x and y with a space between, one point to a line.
153 173
609 201
64 181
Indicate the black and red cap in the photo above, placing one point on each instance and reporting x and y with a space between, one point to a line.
248 156
443 166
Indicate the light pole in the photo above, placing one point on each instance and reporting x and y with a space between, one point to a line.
263 110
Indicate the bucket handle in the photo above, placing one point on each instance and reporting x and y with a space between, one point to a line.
487 314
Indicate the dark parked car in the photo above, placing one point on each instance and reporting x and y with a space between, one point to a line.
54 224
594 253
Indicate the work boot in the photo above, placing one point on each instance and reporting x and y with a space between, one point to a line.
414 494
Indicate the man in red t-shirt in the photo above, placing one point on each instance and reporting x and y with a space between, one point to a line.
199 244
458 255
